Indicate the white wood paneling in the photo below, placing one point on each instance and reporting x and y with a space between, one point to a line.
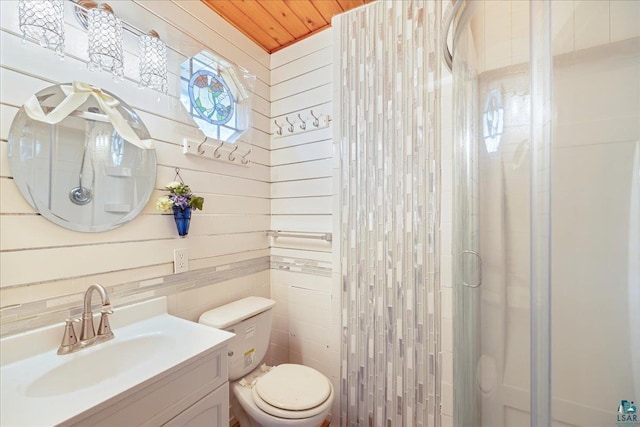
45 234
306 99
323 256
302 223
307 170
302 206
302 195
302 64
308 46
303 153
40 260
63 262
321 76
310 187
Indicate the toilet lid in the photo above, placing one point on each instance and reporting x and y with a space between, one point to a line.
293 387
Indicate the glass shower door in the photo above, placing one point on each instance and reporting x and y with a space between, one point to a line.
595 178
492 221
546 213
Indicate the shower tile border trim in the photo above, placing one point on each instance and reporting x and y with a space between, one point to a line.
35 314
302 265
23 317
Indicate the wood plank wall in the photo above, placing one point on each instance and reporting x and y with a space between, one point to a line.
306 328
289 185
40 261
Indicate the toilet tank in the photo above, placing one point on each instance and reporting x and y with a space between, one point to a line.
250 319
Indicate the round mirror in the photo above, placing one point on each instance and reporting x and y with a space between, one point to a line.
80 173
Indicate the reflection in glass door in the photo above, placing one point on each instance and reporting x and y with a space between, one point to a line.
567 218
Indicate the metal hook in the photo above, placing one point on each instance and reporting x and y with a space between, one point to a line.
303 124
231 156
316 122
279 131
215 152
200 149
244 158
290 128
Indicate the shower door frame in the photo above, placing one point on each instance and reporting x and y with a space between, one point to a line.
467 275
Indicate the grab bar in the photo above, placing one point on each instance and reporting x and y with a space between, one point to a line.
301 235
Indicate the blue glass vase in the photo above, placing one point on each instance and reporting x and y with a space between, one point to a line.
182 218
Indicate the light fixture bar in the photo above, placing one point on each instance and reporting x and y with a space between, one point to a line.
82 7
105 51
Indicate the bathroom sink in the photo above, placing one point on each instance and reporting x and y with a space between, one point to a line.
96 365
40 387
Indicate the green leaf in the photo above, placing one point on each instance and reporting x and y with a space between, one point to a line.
199 104
196 202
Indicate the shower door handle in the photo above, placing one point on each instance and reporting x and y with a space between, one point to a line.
475 285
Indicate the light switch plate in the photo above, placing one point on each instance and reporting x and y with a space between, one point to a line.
180 260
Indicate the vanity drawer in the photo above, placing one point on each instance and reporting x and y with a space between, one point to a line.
212 410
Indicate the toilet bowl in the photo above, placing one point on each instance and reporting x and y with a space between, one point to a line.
287 395
284 395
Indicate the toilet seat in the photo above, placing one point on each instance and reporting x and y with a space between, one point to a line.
293 392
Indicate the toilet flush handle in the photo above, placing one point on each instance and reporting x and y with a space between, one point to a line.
230 353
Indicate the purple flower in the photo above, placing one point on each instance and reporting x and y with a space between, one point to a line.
180 197
180 201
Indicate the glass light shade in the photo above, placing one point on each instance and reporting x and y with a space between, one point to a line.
105 41
153 62
43 22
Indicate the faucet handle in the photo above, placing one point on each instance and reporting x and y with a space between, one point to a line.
104 329
69 339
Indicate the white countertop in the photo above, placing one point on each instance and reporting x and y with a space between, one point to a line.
39 387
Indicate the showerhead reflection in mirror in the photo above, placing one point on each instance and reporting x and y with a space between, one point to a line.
78 171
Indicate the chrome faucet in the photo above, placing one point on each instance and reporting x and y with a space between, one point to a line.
88 337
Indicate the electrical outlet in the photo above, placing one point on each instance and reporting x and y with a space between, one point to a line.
180 260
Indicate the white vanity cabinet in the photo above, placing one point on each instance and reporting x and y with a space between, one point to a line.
158 370
195 393
211 410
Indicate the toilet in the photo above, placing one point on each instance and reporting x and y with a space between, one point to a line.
283 395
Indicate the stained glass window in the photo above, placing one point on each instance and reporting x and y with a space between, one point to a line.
213 92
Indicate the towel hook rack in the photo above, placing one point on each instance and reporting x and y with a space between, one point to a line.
279 131
231 156
215 152
303 123
316 121
291 129
200 149
244 158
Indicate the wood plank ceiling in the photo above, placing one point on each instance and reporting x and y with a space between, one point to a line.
275 24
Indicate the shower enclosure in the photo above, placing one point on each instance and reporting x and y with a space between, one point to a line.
546 213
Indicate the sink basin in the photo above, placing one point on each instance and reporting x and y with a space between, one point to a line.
99 366
40 387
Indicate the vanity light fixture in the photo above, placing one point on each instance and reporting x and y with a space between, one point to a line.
152 53
43 22
105 40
